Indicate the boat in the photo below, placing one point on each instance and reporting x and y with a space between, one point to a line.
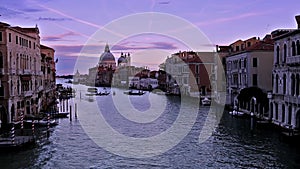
131 92
206 101
60 115
102 93
41 123
92 91
236 113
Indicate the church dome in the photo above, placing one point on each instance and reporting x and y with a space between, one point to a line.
106 56
122 59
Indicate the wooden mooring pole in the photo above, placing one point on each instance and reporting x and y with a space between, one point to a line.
75 110
70 113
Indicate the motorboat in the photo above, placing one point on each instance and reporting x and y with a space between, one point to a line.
206 101
41 123
92 91
131 92
60 115
236 113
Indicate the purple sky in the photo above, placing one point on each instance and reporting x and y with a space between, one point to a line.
68 26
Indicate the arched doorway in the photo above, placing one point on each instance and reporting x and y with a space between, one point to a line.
3 115
12 111
28 107
298 119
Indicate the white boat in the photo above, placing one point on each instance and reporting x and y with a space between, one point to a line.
42 123
206 101
236 113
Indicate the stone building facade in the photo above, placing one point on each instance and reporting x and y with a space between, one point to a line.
249 64
285 102
21 77
189 72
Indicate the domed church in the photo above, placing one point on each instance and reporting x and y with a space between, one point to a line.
107 59
101 75
124 60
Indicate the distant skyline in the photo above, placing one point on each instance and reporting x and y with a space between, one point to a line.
67 26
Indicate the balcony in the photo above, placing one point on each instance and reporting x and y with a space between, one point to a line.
27 93
27 72
40 88
292 99
293 60
12 71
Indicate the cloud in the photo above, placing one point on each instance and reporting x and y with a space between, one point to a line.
53 19
164 3
136 45
8 13
60 37
228 19
31 10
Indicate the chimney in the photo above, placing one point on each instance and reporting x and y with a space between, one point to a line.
298 20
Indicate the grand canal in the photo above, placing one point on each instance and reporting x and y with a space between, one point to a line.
231 145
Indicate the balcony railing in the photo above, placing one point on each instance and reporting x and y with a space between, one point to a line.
293 60
292 99
12 71
27 72
27 93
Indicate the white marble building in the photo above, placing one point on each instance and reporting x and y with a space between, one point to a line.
285 102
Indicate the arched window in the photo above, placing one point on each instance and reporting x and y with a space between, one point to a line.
292 84
290 115
293 48
283 113
297 84
1 60
276 111
284 53
276 83
277 55
298 47
284 84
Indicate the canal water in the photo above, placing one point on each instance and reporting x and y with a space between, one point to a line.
73 144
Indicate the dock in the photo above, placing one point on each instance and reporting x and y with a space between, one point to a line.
20 142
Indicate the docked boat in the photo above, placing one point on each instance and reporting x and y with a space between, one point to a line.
236 113
92 91
41 123
60 115
206 101
131 92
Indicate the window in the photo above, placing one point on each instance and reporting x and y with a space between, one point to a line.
254 79
17 39
0 36
9 37
237 48
284 53
248 44
284 84
33 45
293 48
1 91
197 69
277 55
254 62
283 113
29 44
298 47
20 40
1 60
245 63
197 80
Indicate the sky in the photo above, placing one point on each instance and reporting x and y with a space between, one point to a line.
150 30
